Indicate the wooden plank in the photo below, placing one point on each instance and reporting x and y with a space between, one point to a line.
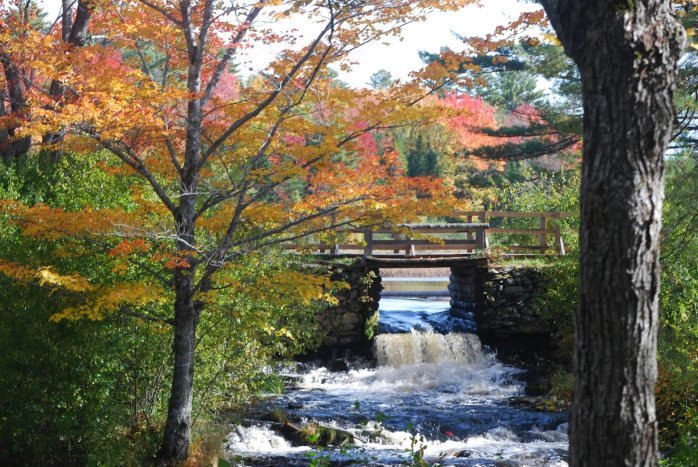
497 230
524 247
433 231
435 247
475 233
426 262
513 214
433 228
402 244
447 225
481 240
323 246
428 227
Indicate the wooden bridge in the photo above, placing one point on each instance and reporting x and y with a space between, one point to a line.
471 232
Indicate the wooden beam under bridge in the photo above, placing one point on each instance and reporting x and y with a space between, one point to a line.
438 261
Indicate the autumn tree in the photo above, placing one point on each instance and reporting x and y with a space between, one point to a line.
627 54
230 167
22 23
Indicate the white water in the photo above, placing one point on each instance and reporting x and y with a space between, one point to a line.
396 350
258 439
442 393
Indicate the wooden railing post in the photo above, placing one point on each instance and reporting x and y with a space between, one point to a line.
410 250
368 238
333 224
543 238
470 234
559 243
480 239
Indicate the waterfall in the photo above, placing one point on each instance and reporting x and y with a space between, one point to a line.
433 391
415 347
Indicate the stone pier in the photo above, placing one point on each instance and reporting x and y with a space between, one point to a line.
500 305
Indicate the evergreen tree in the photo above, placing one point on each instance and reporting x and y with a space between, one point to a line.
381 79
510 90
423 159
416 158
431 165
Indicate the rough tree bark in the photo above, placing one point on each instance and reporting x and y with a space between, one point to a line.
627 53
175 444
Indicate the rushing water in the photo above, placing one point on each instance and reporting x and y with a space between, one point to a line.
435 393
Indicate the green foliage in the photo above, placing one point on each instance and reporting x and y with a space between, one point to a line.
381 79
524 188
562 384
422 159
417 448
677 390
75 393
72 393
371 325
95 393
71 183
510 89
560 297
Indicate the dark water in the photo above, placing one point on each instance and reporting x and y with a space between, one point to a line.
432 392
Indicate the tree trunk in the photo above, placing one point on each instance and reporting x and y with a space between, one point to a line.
627 53
74 33
11 147
175 444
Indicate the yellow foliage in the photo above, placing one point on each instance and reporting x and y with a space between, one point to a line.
16 271
72 282
109 299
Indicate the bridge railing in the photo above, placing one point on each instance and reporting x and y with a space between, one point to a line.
407 239
472 232
462 237
547 236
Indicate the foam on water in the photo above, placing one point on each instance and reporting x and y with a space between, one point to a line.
258 439
496 443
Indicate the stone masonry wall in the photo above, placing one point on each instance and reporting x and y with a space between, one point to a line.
509 319
465 290
344 324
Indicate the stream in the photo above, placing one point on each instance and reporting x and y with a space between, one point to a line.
433 394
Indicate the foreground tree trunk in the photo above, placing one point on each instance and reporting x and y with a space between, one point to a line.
627 53
175 444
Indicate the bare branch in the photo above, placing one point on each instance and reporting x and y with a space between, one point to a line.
162 11
129 157
266 102
134 314
229 54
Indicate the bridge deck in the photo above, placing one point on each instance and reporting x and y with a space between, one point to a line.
440 261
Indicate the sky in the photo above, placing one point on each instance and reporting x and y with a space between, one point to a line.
400 57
